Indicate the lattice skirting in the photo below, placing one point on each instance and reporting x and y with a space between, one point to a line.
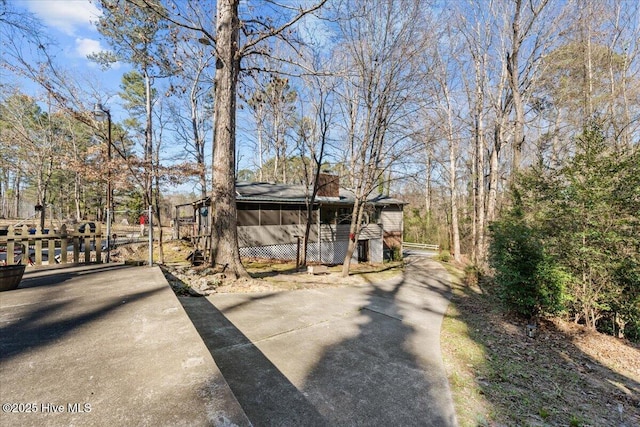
326 252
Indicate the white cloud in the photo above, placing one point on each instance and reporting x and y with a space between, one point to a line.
85 47
65 15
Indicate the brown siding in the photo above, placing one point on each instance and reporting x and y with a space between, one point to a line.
290 215
371 231
393 239
269 216
332 233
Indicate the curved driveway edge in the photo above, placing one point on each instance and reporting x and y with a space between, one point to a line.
366 355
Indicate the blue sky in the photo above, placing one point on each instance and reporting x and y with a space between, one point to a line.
70 21
70 24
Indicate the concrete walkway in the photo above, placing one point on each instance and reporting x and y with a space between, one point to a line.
106 345
367 355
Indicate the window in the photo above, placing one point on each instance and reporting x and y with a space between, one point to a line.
327 215
375 215
344 215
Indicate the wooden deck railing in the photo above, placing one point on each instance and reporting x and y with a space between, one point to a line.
35 246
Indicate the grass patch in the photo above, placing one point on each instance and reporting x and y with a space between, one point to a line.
565 376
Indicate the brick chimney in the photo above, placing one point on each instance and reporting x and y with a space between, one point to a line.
328 185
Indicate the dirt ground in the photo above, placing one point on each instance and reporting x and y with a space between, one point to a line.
566 375
266 275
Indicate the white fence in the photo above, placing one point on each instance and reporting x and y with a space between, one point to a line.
423 246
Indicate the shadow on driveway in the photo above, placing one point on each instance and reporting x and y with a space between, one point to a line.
265 394
366 355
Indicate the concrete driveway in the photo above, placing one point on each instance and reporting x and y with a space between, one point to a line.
367 355
105 345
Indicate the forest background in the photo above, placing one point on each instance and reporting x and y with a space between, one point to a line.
510 127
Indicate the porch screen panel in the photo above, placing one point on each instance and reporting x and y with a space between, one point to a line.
248 215
290 215
269 214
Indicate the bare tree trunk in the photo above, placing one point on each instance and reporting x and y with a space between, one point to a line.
17 193
493 174
76 183
260 131
276 142
352 115
427 189
224 239
317 154
625 136
522 24
354 232
455 230
156 189
148 142
588 65
197 138
76 196
513 68
479 203
453 163
5 208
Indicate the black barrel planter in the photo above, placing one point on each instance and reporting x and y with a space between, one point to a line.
10 276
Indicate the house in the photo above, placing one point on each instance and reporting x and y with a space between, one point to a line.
272 219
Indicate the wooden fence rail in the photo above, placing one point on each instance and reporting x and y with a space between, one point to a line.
34 246
425 246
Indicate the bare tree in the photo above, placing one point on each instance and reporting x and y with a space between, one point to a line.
476 42
313 143
35 143
383 44
445 80
273 107
524 23
191 113
505 45
137 36
230 50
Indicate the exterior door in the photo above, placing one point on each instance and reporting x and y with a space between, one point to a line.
363 250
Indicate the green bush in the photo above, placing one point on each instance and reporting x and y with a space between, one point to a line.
397 253
527 279
393 253
443 256
625 304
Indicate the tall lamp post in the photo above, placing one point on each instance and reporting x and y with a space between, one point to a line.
100 113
